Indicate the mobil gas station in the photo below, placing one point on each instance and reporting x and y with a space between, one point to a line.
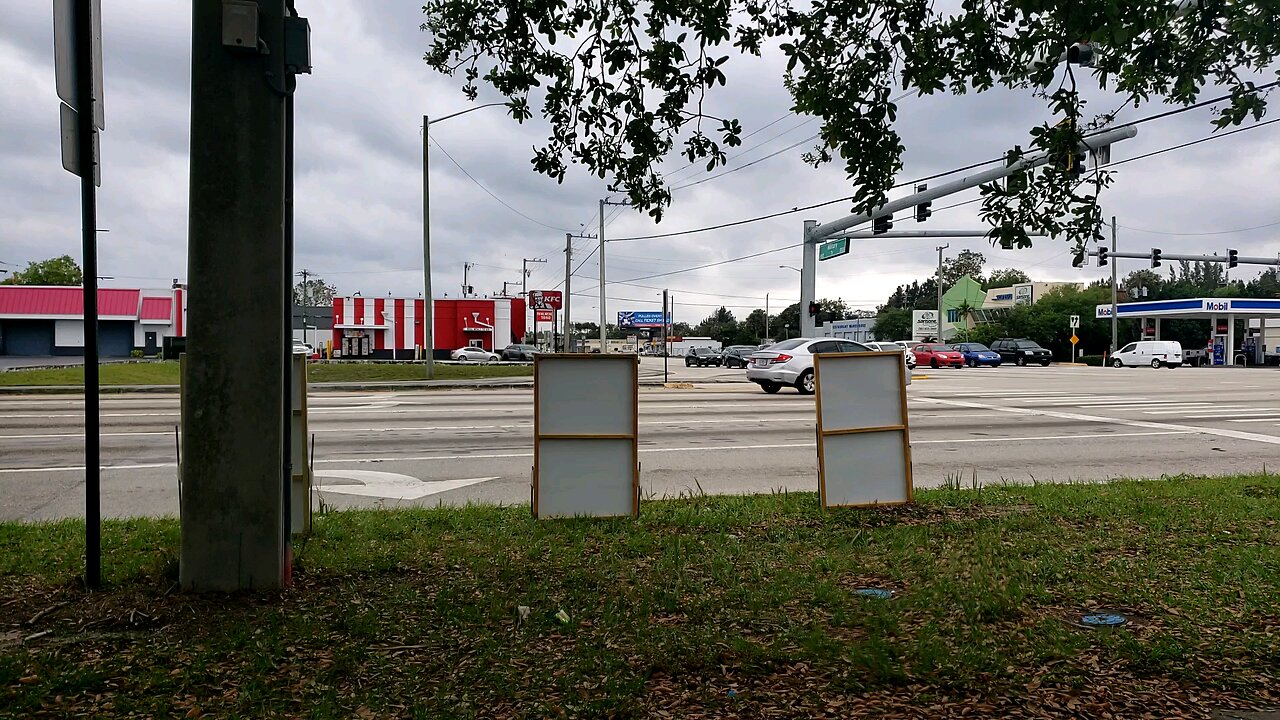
1256 345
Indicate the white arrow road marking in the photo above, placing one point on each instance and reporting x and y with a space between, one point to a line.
391 485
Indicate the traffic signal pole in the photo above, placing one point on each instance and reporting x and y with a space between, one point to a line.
1114 290
815 233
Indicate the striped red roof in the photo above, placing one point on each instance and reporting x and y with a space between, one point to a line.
157 308
29 300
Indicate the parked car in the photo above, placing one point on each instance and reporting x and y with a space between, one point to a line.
790 362
937 355
303 349
702 357
907 355
1021 351
736 355
1156 353
977 354
474 354
519 353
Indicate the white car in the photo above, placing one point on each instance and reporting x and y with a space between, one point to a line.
1156 353
895 347
475 354
791 363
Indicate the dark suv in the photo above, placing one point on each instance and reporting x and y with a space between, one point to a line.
702 357
1021 351
519 352
736 355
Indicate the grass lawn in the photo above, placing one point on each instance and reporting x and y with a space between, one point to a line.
166 373
706 607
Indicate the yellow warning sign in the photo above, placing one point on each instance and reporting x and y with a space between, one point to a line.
1074 339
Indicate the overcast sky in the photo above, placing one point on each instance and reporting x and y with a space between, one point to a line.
358 187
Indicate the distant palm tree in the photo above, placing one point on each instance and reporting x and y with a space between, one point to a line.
965 313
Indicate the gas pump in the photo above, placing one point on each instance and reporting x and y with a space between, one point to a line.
1219 343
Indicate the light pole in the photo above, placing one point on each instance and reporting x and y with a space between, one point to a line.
427 307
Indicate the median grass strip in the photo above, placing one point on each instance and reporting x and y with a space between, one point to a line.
166 373
704 607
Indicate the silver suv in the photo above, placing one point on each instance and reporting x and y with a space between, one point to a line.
790 362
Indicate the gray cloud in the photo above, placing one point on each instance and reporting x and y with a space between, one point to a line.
359 175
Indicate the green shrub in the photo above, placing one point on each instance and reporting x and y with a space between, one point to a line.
1094 360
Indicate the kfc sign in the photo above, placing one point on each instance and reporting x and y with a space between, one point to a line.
546 299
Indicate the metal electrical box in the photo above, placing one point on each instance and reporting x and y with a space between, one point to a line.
240 24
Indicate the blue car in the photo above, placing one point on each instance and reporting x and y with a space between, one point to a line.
976 354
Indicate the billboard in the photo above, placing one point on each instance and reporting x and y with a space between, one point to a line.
544 315
1023 294
637 319
546 299
924 323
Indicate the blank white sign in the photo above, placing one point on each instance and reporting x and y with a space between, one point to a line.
861 392
586 396
865 468
585 477
585 436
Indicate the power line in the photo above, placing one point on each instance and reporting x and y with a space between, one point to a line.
748 135
1197 234
1193 142
747 165
795 210
490 193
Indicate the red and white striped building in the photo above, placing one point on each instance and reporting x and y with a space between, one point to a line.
392 327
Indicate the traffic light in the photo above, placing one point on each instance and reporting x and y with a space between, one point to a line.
1080 54
1102 257
1076 163
883 224
1155 257
1233 258
814 308
922 210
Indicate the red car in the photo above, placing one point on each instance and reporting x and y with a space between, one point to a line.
936 356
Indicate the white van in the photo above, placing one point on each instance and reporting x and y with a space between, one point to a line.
1156 353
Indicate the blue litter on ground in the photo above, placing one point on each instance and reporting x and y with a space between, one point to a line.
876 593
1103 619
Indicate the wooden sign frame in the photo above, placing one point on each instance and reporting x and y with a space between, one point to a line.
582 405
852 432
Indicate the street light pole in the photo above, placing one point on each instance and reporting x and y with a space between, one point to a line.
940 249
428 310
1114 329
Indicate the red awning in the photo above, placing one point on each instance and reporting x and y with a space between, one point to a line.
157 308
37 301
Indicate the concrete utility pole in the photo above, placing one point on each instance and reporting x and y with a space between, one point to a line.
233 517
940 249
808 282
766 316
568 291
524 293
1114 319
604 334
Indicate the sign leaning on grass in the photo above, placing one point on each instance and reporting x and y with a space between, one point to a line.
586 453
864 451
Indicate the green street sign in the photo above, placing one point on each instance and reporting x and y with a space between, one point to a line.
832 249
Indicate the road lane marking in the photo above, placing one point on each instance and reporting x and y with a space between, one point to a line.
1221 432
378 484
692 448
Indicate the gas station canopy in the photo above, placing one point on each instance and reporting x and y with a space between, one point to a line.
1194 308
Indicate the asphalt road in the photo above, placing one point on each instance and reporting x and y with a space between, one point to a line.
458 446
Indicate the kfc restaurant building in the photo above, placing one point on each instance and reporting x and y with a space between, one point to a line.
392 328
